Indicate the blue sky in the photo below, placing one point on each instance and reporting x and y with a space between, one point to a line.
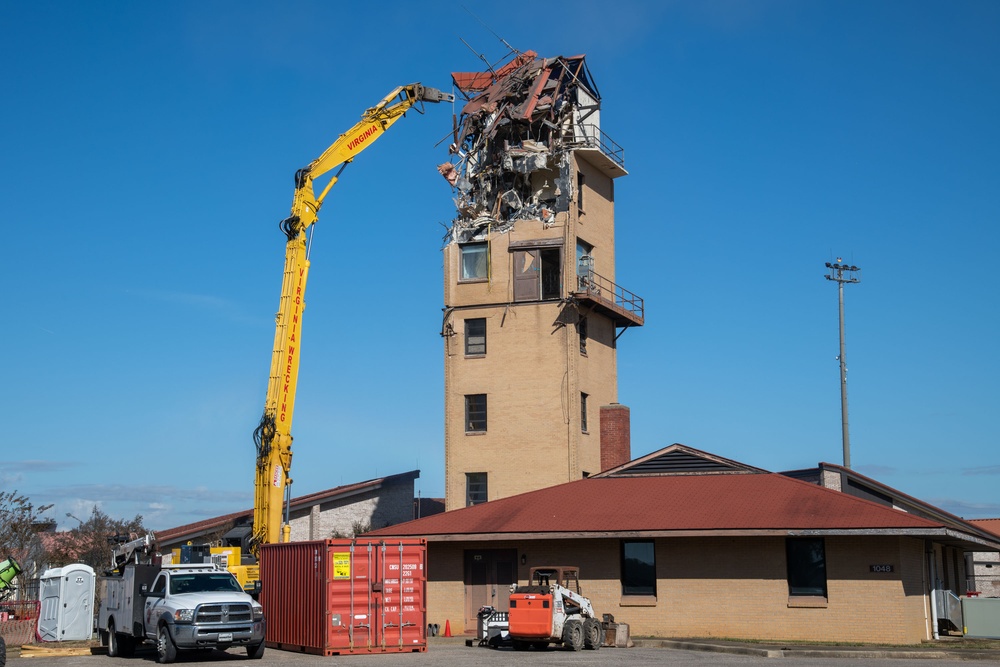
148 153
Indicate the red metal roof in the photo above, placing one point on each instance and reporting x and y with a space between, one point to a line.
746 502
990 525
182 532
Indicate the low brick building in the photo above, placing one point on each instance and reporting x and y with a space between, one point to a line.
984 566
682 543
338 512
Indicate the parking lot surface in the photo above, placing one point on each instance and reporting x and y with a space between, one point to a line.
454 653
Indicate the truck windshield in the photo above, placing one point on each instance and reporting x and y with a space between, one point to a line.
204 582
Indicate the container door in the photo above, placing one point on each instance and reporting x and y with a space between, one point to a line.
350 598
377 599
402 573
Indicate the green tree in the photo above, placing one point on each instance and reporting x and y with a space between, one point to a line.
92 540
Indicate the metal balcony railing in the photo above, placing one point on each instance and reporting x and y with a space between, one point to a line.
602 290
595 137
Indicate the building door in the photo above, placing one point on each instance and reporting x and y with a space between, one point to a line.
488 576
527 275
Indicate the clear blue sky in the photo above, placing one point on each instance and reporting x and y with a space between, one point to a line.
148 153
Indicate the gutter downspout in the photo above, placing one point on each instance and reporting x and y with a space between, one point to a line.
932 567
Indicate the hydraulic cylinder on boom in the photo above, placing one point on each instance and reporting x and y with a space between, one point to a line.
272 436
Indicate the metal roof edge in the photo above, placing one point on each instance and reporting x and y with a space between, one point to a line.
750 532
939 514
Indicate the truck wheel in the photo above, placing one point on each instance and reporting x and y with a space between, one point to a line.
112 640
593 634
255 652
573 634
165 648
118 645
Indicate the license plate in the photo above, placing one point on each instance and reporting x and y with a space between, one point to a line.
225 636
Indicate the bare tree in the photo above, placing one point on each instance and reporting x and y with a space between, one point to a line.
92 540
20 520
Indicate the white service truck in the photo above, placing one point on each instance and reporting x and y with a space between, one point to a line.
179 608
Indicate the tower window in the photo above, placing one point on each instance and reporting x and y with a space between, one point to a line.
475 488
475 413
475 336
474 258
583 412
581 328
584 258
579 192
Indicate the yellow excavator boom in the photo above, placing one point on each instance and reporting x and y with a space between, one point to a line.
272 436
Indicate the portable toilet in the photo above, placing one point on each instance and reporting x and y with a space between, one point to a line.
67 603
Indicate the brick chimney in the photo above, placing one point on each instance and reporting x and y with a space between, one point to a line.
616 436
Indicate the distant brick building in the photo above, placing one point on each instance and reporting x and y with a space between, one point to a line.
340 511
984 566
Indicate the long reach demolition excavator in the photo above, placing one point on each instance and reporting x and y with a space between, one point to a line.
273 435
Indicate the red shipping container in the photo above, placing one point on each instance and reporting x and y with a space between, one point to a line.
334 597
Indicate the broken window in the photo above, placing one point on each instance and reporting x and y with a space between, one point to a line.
474 261
475 488
581 328
475 413
475 336
537 274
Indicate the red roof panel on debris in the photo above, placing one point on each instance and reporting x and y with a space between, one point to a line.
471 82
751 502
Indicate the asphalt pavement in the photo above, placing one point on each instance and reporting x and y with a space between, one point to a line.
453 652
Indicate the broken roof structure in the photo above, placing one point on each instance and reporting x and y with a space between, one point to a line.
512 141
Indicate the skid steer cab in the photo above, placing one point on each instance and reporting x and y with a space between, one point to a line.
551 610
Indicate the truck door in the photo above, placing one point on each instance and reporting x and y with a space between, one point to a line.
152 605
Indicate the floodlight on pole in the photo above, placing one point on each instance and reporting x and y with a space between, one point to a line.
843 273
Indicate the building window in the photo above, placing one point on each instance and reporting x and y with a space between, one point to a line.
474 261
583 412
584 258
537 274
579 192
475 488
581 328
638 567
475 413
806 559
475 336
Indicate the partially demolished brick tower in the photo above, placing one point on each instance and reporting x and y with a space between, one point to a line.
532 311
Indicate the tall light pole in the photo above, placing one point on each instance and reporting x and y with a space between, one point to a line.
843 273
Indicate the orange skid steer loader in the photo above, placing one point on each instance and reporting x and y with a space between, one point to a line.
551 610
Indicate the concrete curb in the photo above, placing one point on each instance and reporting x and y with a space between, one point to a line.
819 652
